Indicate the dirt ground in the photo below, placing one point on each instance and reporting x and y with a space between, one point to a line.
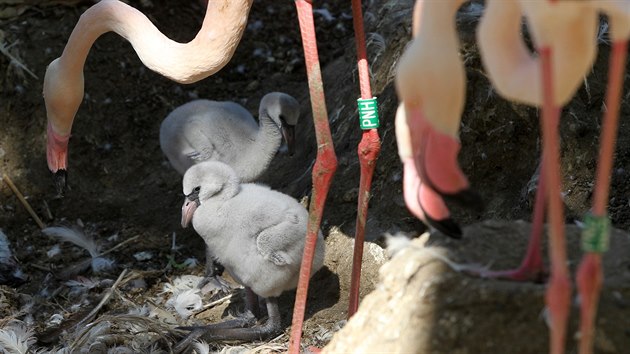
123 188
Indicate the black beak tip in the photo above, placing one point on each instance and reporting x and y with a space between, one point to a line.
60 180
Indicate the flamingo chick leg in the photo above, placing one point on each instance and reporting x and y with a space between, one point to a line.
590 275
238 329
212 279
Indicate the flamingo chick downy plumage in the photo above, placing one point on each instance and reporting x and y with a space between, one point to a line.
204 130
255 232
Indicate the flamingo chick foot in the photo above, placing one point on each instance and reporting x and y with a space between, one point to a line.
242 328
214 283
425 204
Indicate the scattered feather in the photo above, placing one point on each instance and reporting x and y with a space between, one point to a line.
181 283
396 243
201 347
53 251
190 262
74 236
186 302
55 320
16 338
143 256
328 17
102 264
10 272
5 250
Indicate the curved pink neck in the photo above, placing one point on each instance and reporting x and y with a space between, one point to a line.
206 54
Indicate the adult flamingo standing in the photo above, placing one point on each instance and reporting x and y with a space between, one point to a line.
565 35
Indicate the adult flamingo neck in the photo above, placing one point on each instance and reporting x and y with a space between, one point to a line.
207 53
429 15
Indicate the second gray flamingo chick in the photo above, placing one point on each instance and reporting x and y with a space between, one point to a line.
204 130
256 233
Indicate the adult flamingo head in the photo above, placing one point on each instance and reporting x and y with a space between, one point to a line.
207 53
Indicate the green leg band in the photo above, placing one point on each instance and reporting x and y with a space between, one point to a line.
596 233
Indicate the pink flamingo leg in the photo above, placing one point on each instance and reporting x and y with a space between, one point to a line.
531 267
369 149
559 287
590 274
323 170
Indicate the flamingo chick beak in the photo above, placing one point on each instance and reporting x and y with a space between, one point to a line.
288 132
57 156
188 209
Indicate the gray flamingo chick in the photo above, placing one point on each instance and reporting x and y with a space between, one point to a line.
255 232
204 130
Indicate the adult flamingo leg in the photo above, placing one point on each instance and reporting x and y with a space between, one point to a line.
323 170
531 267
369 149
559 286
595 239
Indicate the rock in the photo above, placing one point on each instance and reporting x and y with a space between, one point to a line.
421 305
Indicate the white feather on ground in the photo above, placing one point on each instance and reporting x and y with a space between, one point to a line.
16 338
201 347
83 240
9 268
185 302
74 236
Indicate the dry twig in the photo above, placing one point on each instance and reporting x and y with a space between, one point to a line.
24 202
104 300
4 50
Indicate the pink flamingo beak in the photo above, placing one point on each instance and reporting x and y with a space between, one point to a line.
57 156
188 209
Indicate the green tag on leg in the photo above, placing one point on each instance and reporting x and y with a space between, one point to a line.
596 233
368 113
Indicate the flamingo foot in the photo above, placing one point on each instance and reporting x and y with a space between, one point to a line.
425 204
531 269
522 273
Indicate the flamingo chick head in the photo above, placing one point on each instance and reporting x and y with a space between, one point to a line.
284 110
209 179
